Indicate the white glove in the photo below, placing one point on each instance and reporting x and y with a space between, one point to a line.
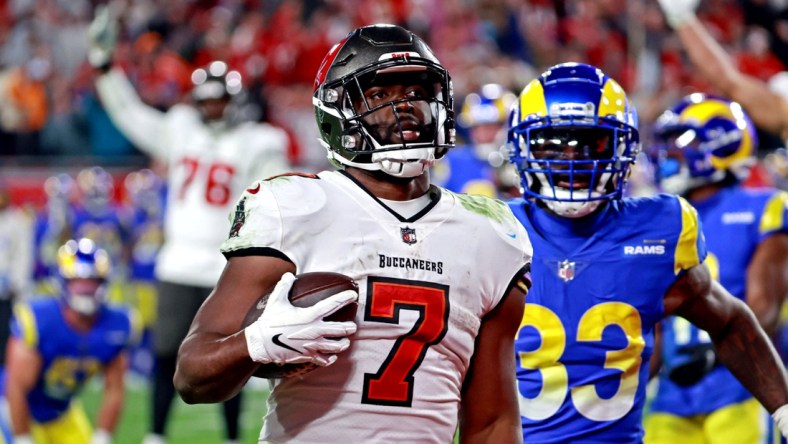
102 35
23 439
780 417
678 11
101 437
285 334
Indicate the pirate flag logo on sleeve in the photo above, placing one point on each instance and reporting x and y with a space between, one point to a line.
239 218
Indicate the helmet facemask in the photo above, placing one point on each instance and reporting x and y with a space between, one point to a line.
573 168
395 117
83 270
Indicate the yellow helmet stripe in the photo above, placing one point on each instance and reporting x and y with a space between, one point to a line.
532 100
773 215
613 101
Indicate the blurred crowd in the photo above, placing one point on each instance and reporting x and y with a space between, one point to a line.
49 107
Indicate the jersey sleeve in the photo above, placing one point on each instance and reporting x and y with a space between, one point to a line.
256 227
691 245
774 218
24 325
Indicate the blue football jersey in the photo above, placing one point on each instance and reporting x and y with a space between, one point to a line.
69 357
462 171
588 328
147 237
735 221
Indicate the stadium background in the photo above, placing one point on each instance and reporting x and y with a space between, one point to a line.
51 120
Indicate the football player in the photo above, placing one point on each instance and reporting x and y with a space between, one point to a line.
145 193
53 226
606 269
766 103
478 166
211 156
708 147
433 327
97 216
57 344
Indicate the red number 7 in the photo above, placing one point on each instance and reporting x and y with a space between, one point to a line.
393 383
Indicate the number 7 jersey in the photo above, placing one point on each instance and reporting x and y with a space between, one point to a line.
425 283
588 329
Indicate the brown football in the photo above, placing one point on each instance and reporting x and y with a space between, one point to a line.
308 289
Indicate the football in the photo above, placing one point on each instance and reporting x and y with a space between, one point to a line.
308 289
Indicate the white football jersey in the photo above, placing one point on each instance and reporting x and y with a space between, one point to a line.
208 168
424 285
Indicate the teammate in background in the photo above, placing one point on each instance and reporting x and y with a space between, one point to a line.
145 193
476 167
432 333
52 229
211 156
97 216
57 344
606 269
766 103
709 147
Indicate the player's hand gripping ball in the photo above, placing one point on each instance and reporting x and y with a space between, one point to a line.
307 290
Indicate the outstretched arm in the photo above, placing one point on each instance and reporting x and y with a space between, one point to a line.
489 410
141 123
768 110
741 344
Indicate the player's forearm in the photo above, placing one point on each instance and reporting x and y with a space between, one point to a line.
212 368
708 56
111 408
20 413
748 353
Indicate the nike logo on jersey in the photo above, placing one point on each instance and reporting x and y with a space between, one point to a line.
741 217
253 190
512 235
276 341
635 250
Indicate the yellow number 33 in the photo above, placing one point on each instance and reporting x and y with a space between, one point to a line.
555 379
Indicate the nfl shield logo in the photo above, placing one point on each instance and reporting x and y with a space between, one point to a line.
408 235
566 270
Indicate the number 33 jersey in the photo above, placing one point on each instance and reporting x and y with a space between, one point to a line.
588 329
425 282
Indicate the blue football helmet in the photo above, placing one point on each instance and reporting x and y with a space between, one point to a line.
573 137
490 105
145 191
703 139
82 259
96 188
